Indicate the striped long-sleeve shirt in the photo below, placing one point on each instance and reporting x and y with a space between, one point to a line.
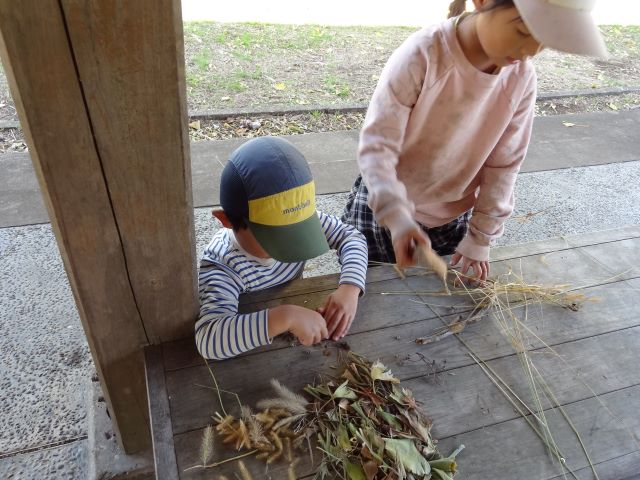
226 271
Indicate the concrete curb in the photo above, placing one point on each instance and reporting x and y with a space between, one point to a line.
349 108
360 108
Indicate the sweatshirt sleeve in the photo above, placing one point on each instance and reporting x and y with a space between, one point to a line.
351 247
498 176
220 331
383 135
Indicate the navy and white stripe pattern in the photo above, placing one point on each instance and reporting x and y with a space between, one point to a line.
226 272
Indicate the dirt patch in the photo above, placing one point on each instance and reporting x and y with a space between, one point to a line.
257 65
231 66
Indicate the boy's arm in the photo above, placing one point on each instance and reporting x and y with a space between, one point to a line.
220 331
351 247
495 197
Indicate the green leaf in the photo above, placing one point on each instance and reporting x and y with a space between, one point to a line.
447 464
380 372
344 392
405 453
343 438
355 472
439 474
390 419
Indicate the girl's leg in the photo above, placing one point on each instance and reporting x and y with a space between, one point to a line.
445 239
357 213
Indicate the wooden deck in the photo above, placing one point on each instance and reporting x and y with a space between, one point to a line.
601 342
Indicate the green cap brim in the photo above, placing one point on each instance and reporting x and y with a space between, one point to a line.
292 243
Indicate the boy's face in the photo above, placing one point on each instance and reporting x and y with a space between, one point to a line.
249 243
244 236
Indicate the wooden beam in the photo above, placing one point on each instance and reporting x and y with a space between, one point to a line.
164 454
130 61
104 114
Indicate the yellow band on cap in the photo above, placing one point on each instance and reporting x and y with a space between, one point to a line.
284 208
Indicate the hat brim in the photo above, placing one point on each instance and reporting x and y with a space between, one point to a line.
292 243
562 28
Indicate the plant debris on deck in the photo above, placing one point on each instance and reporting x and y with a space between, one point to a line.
366 426
498 296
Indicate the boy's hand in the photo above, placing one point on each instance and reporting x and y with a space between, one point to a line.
339 310
480 268
307 325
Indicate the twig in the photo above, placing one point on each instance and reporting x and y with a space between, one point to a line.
222 461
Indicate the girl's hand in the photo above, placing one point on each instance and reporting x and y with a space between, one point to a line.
480 268
339 310
406 244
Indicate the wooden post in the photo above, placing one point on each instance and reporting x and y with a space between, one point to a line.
99 88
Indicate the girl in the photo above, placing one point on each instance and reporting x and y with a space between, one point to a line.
449 124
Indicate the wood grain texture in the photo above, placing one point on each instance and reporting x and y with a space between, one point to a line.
597 346
161 432
131 64
40 67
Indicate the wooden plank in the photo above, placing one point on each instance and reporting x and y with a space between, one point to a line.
511 450
318 284
130 61
565 243
622 467
614 312
465 400
40 68
193 405
375 312
620 259
549 268
160 415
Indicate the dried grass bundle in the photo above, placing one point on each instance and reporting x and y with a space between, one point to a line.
500 295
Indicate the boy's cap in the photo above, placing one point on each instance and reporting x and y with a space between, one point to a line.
267 181
565 25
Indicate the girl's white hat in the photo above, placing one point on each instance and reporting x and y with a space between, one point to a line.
565 25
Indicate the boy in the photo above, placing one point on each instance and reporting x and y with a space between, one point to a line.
271 225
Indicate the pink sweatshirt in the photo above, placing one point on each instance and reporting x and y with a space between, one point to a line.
441 137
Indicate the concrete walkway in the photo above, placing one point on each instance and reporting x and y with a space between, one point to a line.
591 139
576 180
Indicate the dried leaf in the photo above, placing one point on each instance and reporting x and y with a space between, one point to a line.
405 452
380 372
344 392
370 469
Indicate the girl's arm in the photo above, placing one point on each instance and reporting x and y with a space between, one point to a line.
383 135
495 198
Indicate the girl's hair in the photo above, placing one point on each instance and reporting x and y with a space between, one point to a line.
458 7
